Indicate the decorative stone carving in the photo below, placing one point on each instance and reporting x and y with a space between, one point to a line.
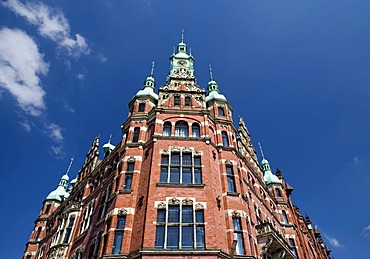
244 141
131 159
235 214
164 152
176 149
228 162
161 205
187 149
174 201
122 212
187 201
199 206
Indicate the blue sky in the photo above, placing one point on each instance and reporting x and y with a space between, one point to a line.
298 72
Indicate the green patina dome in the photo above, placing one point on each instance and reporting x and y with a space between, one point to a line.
60 192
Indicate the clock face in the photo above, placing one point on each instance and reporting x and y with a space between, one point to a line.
181 62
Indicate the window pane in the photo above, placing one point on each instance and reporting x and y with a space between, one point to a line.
186 175
181 129
175 175
175 159
128 182
229 170
187 101
117 243
165 160
200 237
173 214
164 172
130 166
196 130
230 184
187 214
225 139
121 222
186 159
221 111
136 135
66 237
159 237
167 129
187 237
141 107
161 216
285 217
173 237
236 223
240 243
176 100
197 175
197 161
199 216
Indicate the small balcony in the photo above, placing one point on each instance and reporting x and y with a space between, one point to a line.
272 244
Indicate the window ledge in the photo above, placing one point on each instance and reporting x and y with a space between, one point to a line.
233 194
181 185
129 191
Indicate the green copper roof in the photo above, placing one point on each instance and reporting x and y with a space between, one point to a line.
149 85
60 191
268 176
213 92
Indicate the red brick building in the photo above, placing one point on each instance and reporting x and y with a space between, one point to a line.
184 182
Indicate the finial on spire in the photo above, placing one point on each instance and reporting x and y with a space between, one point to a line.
210 72
182 35
70 164
110 138
174 50
152 70
263 156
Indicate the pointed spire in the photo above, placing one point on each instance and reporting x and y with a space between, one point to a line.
152 70
182 36
174 50
210 73
108 147
263 156
70 164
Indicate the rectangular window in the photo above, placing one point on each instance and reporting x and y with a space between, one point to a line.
69 230
128 181
285 217
221 111
47 210
118 234
292 246
180 229
230 179
141 107
238 236
176 100
187 101
130 166
184 168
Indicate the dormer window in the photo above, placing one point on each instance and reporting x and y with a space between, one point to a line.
141 107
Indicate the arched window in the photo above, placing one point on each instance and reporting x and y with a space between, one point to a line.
136 135
225 139
195 130
181 129
167 129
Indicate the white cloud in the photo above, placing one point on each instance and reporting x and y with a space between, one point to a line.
333 241
355 160
366 231
80 76
68 107
102 58
54 132
26 126
58 151
51 24
20 64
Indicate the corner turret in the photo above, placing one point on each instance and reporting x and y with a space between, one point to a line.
213 92
268 176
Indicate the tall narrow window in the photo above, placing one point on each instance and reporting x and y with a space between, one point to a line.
141 107
176 100
221 111
181 129
129 175
230 178
118 235
167 129
238 236
225 139
285 217
278 192
47 210
187 101
183 228
69 229
136 135
181 167
195 130
38 233
292 246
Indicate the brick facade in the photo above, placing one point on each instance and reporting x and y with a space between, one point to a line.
184 182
